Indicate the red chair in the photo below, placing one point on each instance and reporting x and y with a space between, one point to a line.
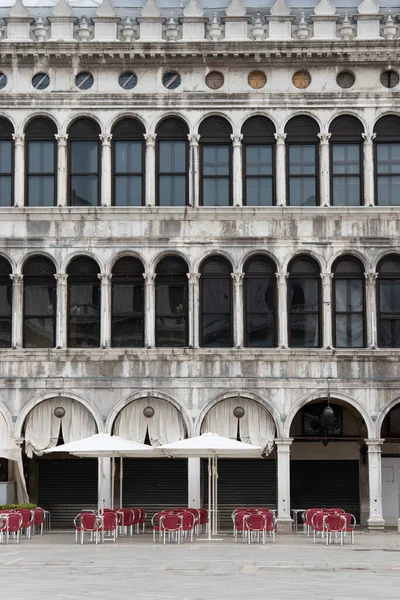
318 523
333 511
254 525
238 522
40 516
270 525
203 518
188 523
350 525
109 524
3 527
171 525
155 523
196 514
14 526
142 518
334 526
90 523
126 521
307 519
27 520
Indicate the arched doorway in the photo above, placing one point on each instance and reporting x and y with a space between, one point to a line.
60 483
390 434
329 464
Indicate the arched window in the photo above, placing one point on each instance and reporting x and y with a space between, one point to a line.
83 303
6 163
215 162
127 329
84 163
387 161
260 302
302 145
5 303
128 163
258 162
39 303
216 327
41 162
388 292
346 161
172 302
304 303
172 163
348 303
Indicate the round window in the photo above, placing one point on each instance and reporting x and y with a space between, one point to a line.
301 79
214 80
390 78
171 80
127 80
84 81
345 80
257 79
3 80
40 81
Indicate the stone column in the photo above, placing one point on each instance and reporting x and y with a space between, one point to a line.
193 309
371 310
150 199
327 310
376 520
105 169
105 310
62 181
104 485
19 169
150 310
284 516
280 169
62 310
17 310
193 199
283 324
368 151
237 170
238 309
324 168
194 491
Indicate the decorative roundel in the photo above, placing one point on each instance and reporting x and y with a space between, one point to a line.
390 78
257 79
301 79
84 80
214 80
171 80
3 80
345 80
40 81
127 80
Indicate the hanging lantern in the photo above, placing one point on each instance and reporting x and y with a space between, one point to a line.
59 412
148 412
238 412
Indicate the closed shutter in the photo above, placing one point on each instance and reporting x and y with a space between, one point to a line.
66 486
325 484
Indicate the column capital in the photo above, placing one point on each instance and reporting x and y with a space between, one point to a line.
194 139
374 445
105 278
283 444
237 277
280 138
282 277
324 138
105 139
61 278
368 137
326 277
371 278
17 278
18 139
150 139
193 277
149 278
61 138
236 139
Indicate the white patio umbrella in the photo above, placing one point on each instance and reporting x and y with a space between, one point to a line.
103 445
211 446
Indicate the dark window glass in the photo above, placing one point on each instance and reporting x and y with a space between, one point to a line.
216 304
41 173
258 173
260 303
6 172
349 304
84 163
172 173
388 174
83 304
304 304
127 304
171 303
5 303
389 303
302 174
346 174
216 175
39 303
128 173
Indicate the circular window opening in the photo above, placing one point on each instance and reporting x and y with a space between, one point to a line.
389 79
84 81
214 80
3 80
345 80
171 80
257 79
301 79
40 81
127 80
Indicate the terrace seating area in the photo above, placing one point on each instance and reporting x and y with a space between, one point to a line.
22 521
329 524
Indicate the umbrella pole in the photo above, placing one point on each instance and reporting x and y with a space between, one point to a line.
121 477
209 497
112 481
216 495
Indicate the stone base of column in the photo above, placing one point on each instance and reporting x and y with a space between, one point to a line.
376 524
284 525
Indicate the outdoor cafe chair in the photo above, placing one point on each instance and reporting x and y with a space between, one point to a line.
335 527
109 525
196 514
126 520
27 520
90 523
3 527
238 522
350 525
254 526
172 525
155 523
14 525
318 523
188 523
307 519
203 518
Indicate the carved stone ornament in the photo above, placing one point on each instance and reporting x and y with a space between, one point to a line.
346 29
258 29
128 30
150 9
390 28
235 9
83 30
106 9
171 30
280 8
193 9
215 29
324 8
302 28
368 7
40 30
62 9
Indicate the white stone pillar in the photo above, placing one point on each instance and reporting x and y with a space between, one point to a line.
375 520
327 310
324 169
19 169
368 151
237 199
283 324
284 516
193 309
105 310
105 169
371 310
150 169
62 182
150 310
62 310
104 487
17 310
238 309
280 170
194 477
193 169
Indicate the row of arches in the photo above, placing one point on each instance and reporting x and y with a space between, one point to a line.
131 164
215 304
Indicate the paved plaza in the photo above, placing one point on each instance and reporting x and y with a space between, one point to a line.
52 567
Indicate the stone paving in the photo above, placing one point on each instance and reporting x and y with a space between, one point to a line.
52 567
